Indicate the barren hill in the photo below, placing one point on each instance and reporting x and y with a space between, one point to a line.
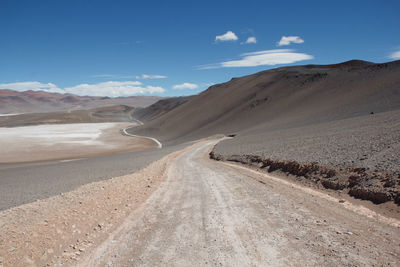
281 98
160 108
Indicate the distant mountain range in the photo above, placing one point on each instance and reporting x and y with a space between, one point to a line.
41 101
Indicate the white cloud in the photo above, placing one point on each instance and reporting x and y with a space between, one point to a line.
109 88
114 89
251 40
185 86
119 76
259 58
394 55
287 40
34 86
147 76
228 36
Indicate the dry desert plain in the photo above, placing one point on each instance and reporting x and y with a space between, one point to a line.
298 167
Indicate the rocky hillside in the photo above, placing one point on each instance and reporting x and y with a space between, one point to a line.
281 98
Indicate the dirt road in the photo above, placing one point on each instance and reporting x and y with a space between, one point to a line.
210 213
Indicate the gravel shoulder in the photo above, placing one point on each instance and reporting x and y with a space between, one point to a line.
59 229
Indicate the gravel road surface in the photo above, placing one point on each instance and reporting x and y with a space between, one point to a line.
211 213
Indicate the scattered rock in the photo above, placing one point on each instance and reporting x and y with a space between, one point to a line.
374 194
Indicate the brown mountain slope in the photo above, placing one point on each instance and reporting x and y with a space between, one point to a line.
282 98
160 108
40 101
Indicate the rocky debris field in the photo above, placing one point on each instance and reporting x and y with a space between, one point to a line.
360 156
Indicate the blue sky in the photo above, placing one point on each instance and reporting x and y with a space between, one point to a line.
168 48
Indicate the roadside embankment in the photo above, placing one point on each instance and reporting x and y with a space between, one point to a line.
357 182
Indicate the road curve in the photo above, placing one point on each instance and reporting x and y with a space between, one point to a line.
208 213
139 122
159 145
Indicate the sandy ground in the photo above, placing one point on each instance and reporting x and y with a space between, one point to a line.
66 141
187 210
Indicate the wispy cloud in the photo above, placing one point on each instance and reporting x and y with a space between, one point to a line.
113 76
228 36
182 86
259 58
147 76
287 40
109 88
251 40
121 76
34 86
395 55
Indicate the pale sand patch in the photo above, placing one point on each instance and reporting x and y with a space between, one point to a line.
63 228
9 114
66 141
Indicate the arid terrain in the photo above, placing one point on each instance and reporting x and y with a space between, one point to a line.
199 133
187 210
291 166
